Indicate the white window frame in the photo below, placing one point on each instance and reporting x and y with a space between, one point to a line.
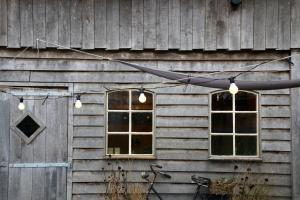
233 134
130 133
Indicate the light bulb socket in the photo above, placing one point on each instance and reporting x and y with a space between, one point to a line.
231 79
142 90
21 100
77 97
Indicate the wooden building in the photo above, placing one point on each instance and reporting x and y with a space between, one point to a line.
62 155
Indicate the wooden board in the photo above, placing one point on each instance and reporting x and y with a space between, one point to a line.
211 25
3 23
259 38
100 23
174 24
186 25
39 23
247 24
222 24
272 22
64 27
162 28
13 24
26 22
198 24
150 24
137 35
51 22
76 23
112 24
284 26
125 23
88 24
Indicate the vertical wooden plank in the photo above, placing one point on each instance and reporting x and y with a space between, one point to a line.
247 24
211 25
51 183
4 145
162 25
284 29
295 113
234 28
272 24
15 154
76 23
222 24
39 153
64 22
62 145
259 25
295 24
150 24
13 24
52 147
70 142
88 39
27 157
113 29
186 25
3 183
174 24
198 24
52 22
100 23
3 23
125 23
137 25
26 23
39 22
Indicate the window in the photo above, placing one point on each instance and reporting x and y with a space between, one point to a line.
234 124
129 123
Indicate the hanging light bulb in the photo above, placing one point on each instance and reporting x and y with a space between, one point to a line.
233 89
21 105
78 103
142 97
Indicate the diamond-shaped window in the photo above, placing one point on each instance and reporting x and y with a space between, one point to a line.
28 127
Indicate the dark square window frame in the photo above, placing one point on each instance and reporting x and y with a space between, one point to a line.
234 156
131 133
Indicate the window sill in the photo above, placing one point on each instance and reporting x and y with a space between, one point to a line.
129 157
222 158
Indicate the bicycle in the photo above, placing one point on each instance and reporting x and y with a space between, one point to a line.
200 181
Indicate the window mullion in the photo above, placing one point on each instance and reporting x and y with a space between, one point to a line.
130 125
233 125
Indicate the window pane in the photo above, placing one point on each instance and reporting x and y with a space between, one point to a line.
245 123
221 123
141 144
142 122
245 101
118 100
118 144
222 101
246 145
222 145
118 122
136 105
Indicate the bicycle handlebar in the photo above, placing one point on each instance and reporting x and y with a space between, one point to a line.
159 172
201 180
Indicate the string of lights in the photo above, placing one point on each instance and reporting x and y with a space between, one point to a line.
142 98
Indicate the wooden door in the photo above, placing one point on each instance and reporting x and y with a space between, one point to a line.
34 169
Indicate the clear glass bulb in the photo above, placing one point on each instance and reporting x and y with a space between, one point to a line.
78 104
21 106
142 98
233 89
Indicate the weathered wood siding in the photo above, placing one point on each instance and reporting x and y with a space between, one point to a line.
151 24
182 122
